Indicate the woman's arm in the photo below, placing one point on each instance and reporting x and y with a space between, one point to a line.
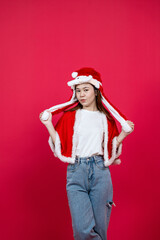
120 137
124 134
51 131
48 124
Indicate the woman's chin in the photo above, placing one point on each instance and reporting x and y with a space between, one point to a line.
84 104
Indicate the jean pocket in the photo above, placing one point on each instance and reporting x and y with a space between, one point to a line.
72 167
100 164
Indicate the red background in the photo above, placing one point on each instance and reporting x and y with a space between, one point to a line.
42 43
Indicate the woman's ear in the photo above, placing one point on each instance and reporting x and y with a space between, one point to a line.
96 92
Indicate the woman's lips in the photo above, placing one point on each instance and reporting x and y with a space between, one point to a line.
83 100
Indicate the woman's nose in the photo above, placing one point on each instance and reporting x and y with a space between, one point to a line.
82 93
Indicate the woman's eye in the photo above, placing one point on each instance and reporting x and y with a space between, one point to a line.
84 90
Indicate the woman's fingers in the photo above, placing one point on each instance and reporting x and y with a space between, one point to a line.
130 123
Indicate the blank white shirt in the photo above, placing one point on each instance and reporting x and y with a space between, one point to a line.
90 133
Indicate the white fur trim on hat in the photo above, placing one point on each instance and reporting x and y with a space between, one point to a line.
84 79
45 114
123 122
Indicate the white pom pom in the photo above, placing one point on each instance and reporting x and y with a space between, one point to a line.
74 74
45 115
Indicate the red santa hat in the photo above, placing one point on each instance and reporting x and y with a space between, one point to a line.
88 75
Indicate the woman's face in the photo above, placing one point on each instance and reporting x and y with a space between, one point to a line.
85 94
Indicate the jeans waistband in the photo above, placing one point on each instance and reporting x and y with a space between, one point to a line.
91 158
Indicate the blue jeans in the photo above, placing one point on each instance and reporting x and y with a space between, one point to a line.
90 193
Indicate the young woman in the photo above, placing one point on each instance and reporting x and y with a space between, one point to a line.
87 138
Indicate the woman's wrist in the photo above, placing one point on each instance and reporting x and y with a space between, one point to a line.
119 142
121 137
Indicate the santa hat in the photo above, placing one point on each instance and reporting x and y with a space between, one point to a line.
88 75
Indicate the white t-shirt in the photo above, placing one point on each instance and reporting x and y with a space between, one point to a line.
90 133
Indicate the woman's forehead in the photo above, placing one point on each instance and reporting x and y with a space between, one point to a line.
83 85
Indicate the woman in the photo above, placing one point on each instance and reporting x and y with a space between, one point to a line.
86 137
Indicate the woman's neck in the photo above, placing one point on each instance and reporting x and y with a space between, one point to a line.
91 108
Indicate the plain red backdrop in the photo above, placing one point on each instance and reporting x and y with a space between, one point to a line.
42 42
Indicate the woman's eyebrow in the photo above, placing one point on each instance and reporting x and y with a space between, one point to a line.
82 88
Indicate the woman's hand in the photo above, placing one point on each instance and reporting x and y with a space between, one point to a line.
48 121
131 124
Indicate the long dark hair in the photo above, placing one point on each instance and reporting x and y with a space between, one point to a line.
99 104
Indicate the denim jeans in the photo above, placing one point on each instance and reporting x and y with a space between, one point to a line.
90 193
